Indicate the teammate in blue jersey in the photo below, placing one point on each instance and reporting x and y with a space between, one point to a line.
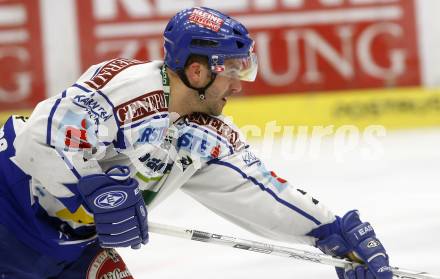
79 176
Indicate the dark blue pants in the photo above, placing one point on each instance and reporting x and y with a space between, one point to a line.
18 261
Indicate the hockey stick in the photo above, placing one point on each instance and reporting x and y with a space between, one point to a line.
266 248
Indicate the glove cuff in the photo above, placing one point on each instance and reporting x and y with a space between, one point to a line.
334 245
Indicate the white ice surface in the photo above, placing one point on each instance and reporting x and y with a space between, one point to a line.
398 192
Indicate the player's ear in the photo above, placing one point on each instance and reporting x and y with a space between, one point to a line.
197 73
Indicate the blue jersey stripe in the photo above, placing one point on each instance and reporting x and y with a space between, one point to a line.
119 142
109 102
49 120
120 138
81 88
154 116
265 189
96 72
68 163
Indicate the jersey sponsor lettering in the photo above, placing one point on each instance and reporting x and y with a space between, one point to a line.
202 145
109 71
94 108
194 143
219 127
155 164
364 230
206 19
152 135
141 107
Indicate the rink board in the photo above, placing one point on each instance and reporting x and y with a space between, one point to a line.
394 109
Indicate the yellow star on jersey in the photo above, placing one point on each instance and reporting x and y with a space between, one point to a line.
79 216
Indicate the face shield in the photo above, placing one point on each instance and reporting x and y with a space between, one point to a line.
244 69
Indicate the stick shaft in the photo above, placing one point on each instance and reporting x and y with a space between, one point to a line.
266 248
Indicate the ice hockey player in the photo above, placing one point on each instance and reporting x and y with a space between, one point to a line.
78 176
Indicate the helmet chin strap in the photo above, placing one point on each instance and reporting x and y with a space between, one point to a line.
200 90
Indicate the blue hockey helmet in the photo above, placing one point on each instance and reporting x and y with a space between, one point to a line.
207 32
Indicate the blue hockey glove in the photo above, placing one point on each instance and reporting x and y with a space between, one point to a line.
359 272
118 207
350 236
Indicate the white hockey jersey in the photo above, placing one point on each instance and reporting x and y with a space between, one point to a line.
117 114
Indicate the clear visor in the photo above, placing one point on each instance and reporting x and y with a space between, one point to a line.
239 68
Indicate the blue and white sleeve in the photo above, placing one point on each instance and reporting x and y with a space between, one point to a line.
239 188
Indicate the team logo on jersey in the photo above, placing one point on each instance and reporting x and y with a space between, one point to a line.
108 265
75 132
77 137
140 107
111 199
206 19
250 159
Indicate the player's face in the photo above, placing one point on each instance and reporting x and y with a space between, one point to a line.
221 89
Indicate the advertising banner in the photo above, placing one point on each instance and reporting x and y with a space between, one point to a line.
22 82
302 45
